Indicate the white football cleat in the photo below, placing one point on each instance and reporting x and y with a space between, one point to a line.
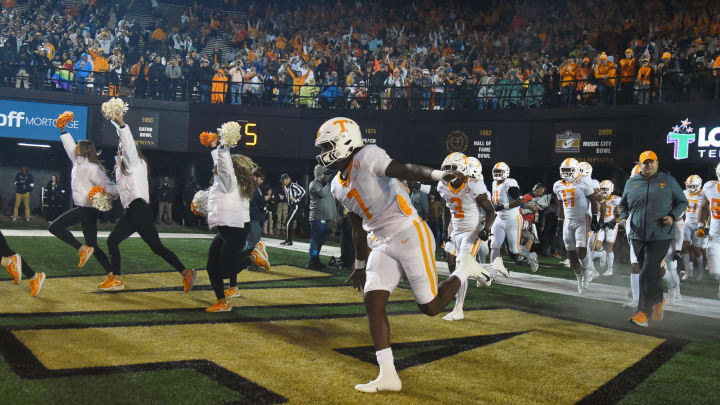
455 315
608 272
382 383
579 277
566 263
687 275
534 262
588 277
481 272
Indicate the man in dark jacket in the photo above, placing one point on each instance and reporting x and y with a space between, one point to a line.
156 74
24 184
205 77
165 195
322 213
653 201
189 77
54 199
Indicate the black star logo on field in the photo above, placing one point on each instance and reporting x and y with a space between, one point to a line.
416 353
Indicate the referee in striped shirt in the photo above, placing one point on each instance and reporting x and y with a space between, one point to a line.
293 195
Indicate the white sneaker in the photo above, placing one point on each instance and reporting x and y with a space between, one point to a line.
608 272
455 315
588 277
384 383
686 275
534 262
566 263
579 277
630 304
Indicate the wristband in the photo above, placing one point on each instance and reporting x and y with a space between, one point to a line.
359 264
506 205
436 175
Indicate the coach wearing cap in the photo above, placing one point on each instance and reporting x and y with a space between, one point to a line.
653 200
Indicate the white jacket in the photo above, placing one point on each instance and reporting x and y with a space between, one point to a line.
133 185
226 207
85 174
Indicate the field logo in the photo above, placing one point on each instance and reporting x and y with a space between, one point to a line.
567 142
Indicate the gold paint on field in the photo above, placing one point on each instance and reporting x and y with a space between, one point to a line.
72 294
559 362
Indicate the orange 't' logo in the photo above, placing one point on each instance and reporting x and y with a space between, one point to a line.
341 123
662 185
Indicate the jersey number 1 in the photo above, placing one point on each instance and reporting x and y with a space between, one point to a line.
568 197
354 194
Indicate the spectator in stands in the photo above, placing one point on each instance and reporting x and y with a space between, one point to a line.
173 73
643 81
219 86
627 77
205 77
165 195
156 74
83 73
236 73
671 78
568 72
138 78
190 78
22 66
24 184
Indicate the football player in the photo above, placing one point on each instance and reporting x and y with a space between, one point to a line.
574 196
711 210
692 245
606 236
586 170
635 272
469 210
507 199
475 171
383 219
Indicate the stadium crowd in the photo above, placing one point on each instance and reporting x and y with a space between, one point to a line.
364 54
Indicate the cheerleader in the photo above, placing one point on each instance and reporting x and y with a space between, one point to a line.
87 172
131 175
229 214
16 266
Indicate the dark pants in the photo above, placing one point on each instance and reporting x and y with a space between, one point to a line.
87 218
5 251
318 234
226 258
650 254
295 214
347 248
138 217
436 228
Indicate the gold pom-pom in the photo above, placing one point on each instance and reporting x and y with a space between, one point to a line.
114 107
229 133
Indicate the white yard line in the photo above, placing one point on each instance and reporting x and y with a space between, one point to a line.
601 292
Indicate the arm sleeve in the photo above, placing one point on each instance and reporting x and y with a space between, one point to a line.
514 192
69 145
378 160
680 203
298 191
221 157
624 208
315 189
129 147
99 178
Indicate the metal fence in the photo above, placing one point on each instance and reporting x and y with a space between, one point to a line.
507 94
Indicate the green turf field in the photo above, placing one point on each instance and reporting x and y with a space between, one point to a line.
298 336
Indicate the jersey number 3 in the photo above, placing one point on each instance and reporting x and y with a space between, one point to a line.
458 210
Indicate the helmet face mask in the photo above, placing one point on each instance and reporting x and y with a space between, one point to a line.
569 169
501 171
693 184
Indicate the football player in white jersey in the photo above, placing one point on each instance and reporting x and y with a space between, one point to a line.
384 220
692 244
586 170
635 272
606 236
507 200
475 171
574 196
711 209
468 209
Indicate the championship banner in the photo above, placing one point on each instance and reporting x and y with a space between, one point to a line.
36 121
144 125
586 141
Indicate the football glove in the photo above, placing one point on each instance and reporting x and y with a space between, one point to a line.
595 225
702 232
484 234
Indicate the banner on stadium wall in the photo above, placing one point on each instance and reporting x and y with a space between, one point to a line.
586 141
692 140
144 125
36 121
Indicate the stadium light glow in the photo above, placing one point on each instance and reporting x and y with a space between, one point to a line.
33 145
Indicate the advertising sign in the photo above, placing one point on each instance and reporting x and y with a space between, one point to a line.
144 125
36 121
588 141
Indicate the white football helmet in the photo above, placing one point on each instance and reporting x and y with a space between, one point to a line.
635 171
342 134
606 188
717 171
455 161
500 171
585 169
569 169
693 183
474 168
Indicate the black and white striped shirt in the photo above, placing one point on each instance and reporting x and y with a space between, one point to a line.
294 190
